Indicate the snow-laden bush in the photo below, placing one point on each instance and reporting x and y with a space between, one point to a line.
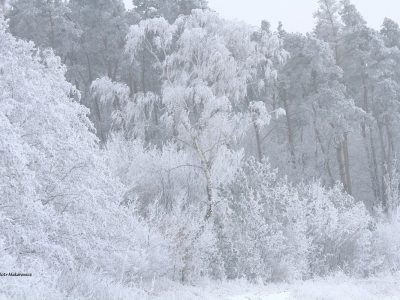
272 230
168 192
338 229
262 226
386 241
386 247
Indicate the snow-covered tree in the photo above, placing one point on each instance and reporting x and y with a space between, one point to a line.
369 74
317 109
46 22
206 64
55 188
168 9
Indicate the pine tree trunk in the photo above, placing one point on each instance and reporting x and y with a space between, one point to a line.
370 147
341 164
347 164
289 127
258 142
384 166
324 151
375 166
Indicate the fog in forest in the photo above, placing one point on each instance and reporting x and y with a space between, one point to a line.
185 149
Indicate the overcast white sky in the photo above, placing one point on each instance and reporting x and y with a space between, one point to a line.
296 15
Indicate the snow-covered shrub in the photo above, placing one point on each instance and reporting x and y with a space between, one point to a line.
262 226
152 175
276 231
338 229
168 192
194 252
386 239
386 247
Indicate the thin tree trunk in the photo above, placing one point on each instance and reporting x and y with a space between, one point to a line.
342 168
384 156
258 142
375 165
370 168
385 165
347 163
143 73
209 211
369 149
289 126
324 151
52 34
206 167
391 147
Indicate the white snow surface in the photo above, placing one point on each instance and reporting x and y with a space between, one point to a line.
334 288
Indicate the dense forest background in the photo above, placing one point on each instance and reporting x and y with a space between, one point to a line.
167 142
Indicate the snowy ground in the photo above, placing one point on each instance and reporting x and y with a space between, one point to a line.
338 288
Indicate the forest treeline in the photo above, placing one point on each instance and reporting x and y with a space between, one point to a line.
167 142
